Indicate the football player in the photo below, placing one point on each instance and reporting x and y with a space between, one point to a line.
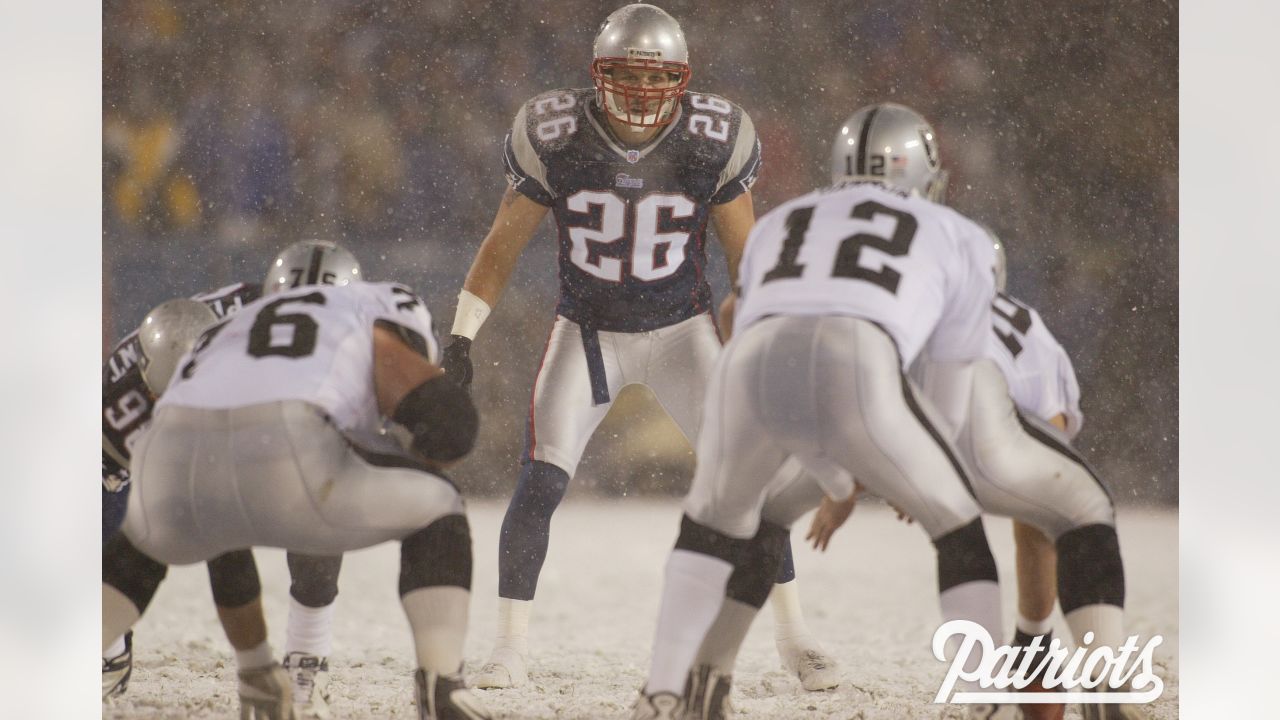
1025 409
272 433
134 376
633 170
840 291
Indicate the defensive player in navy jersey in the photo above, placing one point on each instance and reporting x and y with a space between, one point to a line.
133 377
633 169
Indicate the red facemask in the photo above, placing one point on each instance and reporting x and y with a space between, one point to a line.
657 105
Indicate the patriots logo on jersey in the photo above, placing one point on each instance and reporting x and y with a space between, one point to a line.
624 180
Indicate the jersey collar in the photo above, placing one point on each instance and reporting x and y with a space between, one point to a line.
621 150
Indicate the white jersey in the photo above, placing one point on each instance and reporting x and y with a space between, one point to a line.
1041 379
920 270
312 343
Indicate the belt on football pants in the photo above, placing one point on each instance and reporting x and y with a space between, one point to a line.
595 365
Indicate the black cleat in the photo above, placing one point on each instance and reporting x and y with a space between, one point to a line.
446 697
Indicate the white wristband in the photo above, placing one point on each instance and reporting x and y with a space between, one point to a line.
471 314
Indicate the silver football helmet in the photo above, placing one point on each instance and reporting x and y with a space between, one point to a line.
167 333
640 41
891 143
999 268
311 262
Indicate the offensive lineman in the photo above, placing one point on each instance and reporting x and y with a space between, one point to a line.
132 381
633 169
1024 410
841 289
271 435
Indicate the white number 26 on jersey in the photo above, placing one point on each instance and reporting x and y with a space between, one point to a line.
644 251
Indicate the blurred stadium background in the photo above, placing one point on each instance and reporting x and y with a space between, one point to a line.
233 128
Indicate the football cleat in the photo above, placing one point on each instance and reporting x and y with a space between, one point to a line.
446 697
810 664
706 695
310 677
658 706
116 671
506 668
266 693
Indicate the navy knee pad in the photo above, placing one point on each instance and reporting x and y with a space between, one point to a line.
233 578
758 564
114 505
1090 571
526 529
964 556
314 578
437 555
127 569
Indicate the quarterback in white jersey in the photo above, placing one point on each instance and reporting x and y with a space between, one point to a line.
274 432
840 290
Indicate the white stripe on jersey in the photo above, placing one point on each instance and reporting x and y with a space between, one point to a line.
1038 370
312 343
919 269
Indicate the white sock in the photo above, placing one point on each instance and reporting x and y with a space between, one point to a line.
977 601
255 657
438 618
788 618
1106 622
1035 627
310 629
691 599
115 649
513 625
723 641
118 615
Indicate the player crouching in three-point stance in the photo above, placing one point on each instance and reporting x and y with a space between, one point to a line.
1024 409
271 434
841 289
133 377
633 169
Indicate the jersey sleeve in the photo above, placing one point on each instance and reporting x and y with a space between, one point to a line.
963 330
743 167
401 310
526 172
1059 389
127 404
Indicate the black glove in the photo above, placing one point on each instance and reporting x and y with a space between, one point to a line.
457 361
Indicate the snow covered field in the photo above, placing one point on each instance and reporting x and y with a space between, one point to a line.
870 599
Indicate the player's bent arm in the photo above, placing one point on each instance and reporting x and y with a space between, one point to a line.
513 226
733 222
412 391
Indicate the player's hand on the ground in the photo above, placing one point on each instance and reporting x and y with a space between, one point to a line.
266 693
829 517
457 361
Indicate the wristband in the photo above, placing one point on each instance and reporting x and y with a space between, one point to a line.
471 314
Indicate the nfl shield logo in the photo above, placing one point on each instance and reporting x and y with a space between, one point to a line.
633 156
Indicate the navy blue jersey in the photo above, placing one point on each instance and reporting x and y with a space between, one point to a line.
631 222
126 400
